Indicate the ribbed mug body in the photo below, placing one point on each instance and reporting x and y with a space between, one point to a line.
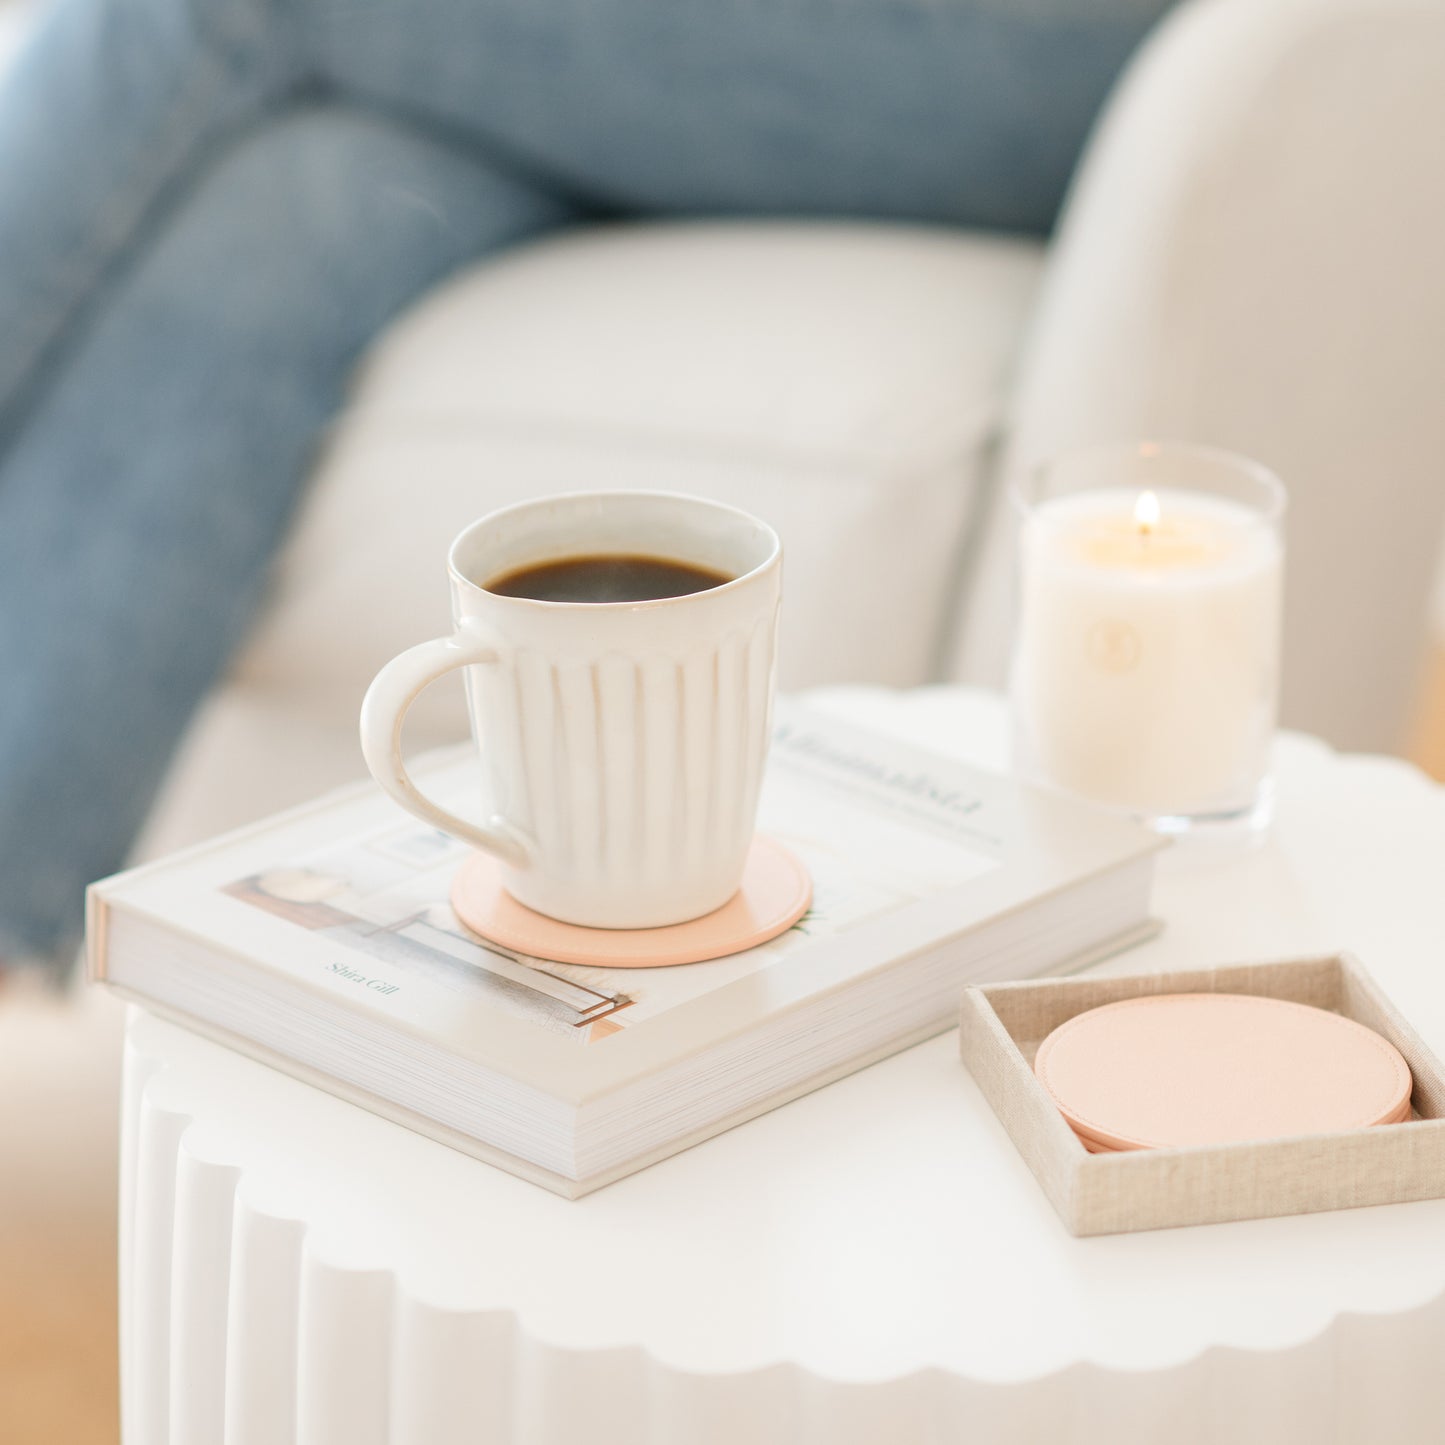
624 741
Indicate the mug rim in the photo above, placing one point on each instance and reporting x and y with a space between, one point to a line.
454 571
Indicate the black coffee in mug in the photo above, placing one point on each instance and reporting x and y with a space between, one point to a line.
608 578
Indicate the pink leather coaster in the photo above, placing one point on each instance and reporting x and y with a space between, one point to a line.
776 892
1189 1069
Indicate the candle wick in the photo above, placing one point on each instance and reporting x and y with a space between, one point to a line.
1146 514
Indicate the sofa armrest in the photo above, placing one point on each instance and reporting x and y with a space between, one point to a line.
1253 255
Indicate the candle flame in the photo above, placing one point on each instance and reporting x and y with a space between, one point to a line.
1146 512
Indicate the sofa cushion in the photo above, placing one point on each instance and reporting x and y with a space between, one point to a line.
843 381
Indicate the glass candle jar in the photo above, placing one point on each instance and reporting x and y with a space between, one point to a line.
1146 661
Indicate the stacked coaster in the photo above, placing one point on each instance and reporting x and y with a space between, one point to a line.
1175 1070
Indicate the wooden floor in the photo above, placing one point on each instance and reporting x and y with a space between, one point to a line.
59 1112
57 1277
57 1358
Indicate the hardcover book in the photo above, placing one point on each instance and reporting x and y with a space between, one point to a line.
322 942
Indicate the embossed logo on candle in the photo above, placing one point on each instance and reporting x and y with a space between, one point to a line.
1113 645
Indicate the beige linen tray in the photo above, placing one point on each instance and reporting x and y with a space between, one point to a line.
1002 1025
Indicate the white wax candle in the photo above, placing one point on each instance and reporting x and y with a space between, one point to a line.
1147 664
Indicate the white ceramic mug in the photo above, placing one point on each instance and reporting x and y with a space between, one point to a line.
622 743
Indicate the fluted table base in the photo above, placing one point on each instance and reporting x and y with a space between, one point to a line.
869 1264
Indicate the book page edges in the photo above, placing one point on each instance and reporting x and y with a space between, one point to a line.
564 1185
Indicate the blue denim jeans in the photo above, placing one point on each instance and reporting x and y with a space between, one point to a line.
208 207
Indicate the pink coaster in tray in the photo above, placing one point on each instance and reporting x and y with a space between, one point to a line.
776 892
1196 1069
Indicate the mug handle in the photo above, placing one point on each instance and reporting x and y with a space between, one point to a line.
383 713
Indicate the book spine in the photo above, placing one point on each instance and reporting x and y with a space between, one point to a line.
97 934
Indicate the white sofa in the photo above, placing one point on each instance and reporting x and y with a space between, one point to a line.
1250 257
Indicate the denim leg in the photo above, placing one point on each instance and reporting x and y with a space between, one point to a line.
968 112
112 105
141 501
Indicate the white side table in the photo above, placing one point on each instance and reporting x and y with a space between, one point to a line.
872 1263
